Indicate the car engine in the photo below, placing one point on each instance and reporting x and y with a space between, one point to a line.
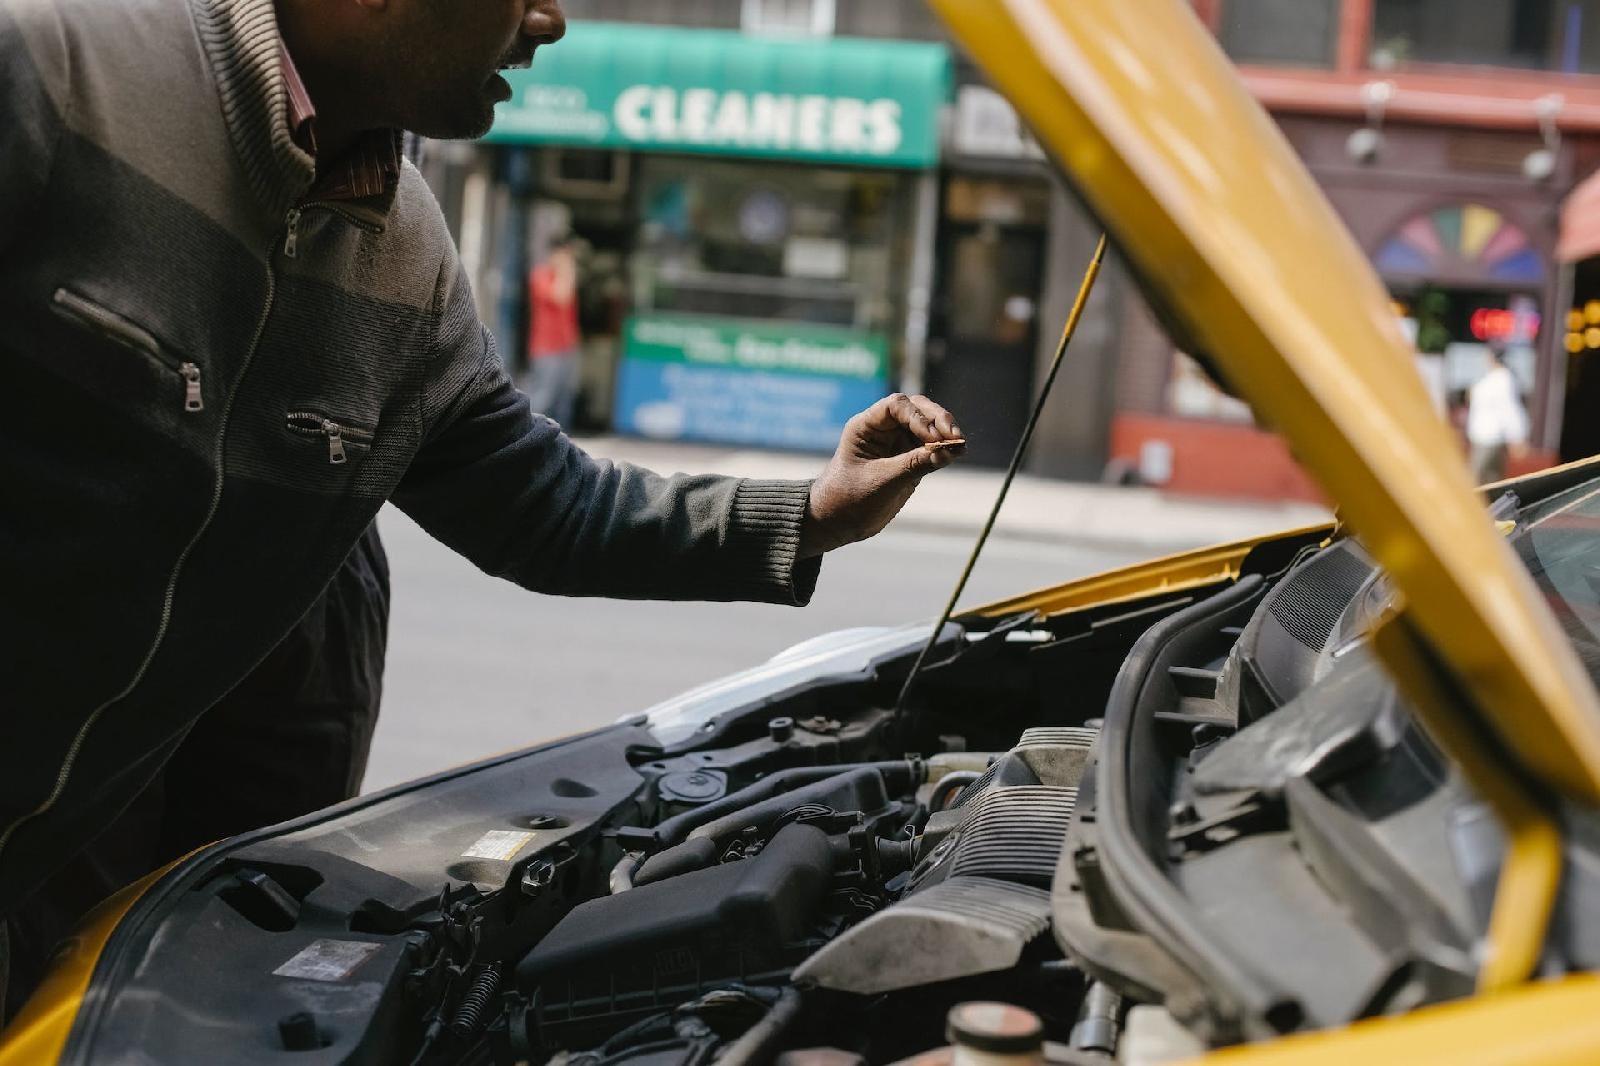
1131 831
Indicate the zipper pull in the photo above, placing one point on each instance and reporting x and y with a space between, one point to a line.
292 240
192 400
335 441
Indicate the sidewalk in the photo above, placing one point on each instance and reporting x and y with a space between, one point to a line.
957 500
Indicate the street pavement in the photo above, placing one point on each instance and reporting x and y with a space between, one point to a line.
477 666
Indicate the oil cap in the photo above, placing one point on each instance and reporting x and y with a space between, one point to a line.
994 1030
693 786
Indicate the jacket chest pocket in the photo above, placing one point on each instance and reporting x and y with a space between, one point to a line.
341 440
111 326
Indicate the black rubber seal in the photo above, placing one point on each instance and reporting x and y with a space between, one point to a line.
1143 890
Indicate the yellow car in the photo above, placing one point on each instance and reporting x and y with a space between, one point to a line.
1325 797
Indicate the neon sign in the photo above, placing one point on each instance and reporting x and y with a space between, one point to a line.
1500 324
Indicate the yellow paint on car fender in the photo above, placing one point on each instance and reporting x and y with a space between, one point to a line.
1553 1023
38 1034
1194 569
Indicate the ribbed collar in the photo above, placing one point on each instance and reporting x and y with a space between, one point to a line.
242 43
370 167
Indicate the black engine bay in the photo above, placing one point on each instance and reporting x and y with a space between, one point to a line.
1164 824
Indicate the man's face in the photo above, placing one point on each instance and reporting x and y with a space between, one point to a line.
443 59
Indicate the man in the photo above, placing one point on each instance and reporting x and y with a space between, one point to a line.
553 337
224 351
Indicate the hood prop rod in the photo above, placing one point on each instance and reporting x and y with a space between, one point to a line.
1071 327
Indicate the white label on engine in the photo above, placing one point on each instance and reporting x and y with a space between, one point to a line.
501 844
327 960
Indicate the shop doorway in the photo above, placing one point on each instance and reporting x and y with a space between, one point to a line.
984 323
1454 329
585 196
1580 427
1470 281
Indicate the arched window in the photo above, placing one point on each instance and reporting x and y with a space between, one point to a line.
1461 243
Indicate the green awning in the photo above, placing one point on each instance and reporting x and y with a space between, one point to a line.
832 100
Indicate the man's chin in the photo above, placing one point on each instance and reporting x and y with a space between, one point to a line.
461 124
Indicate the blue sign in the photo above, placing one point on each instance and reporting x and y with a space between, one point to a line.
763 384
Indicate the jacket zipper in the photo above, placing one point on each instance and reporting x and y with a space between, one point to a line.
291 239
336 433
114 327
71 758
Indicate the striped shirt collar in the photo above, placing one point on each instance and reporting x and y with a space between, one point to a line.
371 166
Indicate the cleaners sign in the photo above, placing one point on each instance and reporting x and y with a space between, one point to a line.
839 100
730 381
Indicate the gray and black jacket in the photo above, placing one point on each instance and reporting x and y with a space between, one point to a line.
209 388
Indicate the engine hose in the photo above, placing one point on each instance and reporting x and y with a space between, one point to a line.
760 1041
682 858
472 1011
622 873
949 785
899 775
860 789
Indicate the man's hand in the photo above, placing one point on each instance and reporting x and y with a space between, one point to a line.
881 457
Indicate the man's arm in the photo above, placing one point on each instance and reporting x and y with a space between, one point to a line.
505 488
33 71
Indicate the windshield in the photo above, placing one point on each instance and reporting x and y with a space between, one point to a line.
1558 541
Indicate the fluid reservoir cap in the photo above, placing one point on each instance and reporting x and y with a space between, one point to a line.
996 1028
693 786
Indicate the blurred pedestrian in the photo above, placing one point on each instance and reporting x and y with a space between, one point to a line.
553 337
1497 424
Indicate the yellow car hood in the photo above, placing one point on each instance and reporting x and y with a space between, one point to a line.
1234 241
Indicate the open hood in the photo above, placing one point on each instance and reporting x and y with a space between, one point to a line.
1242 254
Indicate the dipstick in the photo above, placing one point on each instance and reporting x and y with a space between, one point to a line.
1071 327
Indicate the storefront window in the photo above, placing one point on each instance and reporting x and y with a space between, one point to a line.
741 203
908 21
1298 33
1559 35
701 14
754 240
809 17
